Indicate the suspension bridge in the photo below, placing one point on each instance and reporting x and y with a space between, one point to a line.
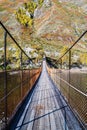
43 98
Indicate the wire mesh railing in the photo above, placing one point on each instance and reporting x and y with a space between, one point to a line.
75 97
71 77
16 77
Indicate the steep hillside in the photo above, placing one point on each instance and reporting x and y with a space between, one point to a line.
57 23
62 22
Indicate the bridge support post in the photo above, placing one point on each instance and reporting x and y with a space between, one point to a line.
61 63
69 74
21 60
5 77
69 59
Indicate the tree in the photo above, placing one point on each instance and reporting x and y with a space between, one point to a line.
66 57
25 14
40 2
23 18
83 58
30 7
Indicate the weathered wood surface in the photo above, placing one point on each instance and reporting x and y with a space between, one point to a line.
43 110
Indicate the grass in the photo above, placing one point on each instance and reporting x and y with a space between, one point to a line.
1 9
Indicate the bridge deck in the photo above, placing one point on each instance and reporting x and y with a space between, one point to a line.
47 110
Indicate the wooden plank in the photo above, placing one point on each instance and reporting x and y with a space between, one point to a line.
30 125
32 112
38 124
42 112
52 118
46 118
60 123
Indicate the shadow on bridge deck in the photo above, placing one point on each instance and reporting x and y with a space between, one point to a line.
46 109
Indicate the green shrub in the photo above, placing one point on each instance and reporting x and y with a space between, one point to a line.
22 13
8 67
40 2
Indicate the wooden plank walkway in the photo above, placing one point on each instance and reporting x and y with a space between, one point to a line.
47 110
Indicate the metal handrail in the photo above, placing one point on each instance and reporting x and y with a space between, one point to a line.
75 97
14 39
